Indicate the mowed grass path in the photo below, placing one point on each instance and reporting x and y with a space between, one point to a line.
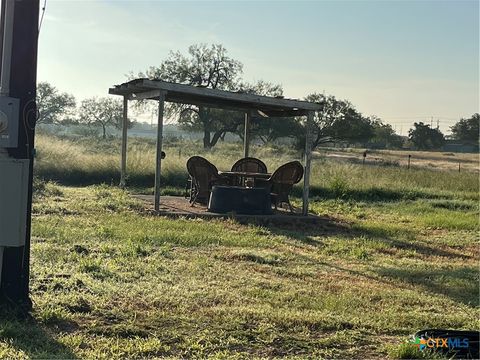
110 281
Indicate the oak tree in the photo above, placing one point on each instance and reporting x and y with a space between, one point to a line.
101 112
53 106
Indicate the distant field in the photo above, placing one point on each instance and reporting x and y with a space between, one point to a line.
434 160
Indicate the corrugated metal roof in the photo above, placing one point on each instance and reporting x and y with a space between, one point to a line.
140 89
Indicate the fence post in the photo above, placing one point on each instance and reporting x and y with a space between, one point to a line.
409 156
459 166
364 156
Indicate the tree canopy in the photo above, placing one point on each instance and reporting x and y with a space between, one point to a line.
424 137
211 66
101 112
337 121
208 66
53 106
267 130
467 130
384 135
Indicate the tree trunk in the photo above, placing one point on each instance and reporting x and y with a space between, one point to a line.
217 137
104 131
203 115
206 139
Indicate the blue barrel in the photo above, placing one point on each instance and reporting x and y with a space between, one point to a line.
249 201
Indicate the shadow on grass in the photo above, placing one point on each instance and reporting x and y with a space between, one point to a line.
76 177
373 194
308 234
26 335
311 235
460 284
386 237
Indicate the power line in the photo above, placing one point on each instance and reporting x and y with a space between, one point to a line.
41 17
424 118
418 120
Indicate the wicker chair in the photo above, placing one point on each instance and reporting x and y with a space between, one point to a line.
250 164
203 175
281 182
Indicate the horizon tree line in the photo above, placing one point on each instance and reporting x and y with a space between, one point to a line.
212 67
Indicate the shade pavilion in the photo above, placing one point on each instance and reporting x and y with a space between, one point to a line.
162 91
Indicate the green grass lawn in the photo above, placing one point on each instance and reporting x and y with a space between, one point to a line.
111 281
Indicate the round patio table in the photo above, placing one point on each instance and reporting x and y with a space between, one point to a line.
242 175
246 174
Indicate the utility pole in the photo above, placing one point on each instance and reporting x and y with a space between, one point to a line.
19 22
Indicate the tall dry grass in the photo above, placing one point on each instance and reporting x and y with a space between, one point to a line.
90 161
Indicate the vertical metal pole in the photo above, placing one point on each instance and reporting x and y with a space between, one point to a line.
246 136
23 75
7 37
308 160
158 167
123 164
1 262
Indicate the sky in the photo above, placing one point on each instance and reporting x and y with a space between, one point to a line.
402 61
